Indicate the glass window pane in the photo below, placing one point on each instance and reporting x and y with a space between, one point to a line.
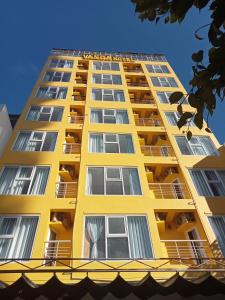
110 137
44 117
113 173
111 148
110 120
116 225
114 188
118 247
95 181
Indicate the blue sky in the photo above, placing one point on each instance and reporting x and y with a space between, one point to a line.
29 29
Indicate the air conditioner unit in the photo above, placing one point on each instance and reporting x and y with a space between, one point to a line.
184 218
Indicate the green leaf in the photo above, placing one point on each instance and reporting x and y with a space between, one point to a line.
208 130
193 100
189 135
198 56
175 97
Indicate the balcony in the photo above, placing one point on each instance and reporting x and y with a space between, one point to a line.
79 94
66 189
170 190
81 78
57 249
71 148
76 119
140 97
82 65
136 81
157 150
132 68
148 122
195 250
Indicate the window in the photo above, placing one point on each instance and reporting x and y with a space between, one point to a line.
110 143
173 117
23 180
108 95
164 98
45 113
109 116
164 81
113 181
57 76
218 226
17 236
157 69
51 93
117 237
209 183
197 145
106 79
61 63
35 141
97 65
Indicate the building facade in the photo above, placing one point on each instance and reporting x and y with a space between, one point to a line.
5 127
97 173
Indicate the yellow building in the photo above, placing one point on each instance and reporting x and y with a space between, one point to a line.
96 175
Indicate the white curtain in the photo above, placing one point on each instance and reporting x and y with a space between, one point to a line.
119 96
33 113
171 118
7 226
139 240
96 143
218 226
208 145
22 141
96 116
7 179
94 226
121 117
89 181
39 181
183 145
126 143
199 182
131 181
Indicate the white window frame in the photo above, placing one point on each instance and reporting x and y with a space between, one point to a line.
105 77
108 92
42 107
199 144
106 142
207 181
31 178
167 95
191 124
49 90
16 231
105 179
126 234
32 133
102 64
115 112
158 67
162 80
59 61
54 76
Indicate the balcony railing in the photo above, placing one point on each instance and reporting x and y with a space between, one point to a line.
137 83
80 81
134 70
145 101
157 150
66 189
71 148
196 250
147 122
57 249
76 119
78 98
170 190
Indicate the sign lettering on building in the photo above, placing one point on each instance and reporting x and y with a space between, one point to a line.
107 57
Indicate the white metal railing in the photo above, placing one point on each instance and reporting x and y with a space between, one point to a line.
196 250
170 190
71 148
138 84
157 150
66 189
76 119
147 122
57 249
144 101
